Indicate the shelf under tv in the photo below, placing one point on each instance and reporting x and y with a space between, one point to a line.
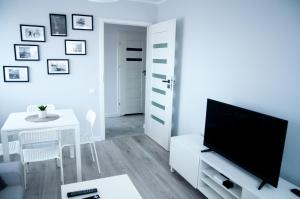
245 184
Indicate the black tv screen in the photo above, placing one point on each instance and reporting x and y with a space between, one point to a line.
252 140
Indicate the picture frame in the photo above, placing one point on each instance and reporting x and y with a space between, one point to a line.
82 22
75 47
58 66
32 33
26 52
16 73
58 25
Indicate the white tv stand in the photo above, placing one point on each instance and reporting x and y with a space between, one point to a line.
201 169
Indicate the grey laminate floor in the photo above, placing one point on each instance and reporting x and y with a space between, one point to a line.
124 126
143 160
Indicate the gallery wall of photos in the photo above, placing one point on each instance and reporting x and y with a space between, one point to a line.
36 33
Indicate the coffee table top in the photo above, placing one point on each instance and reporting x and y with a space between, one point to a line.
116 187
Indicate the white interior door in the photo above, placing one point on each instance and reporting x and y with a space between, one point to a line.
159 81
132 67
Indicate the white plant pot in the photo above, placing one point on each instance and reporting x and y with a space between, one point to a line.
42 114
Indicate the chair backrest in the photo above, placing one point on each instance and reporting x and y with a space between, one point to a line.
90 118
32 108
38 137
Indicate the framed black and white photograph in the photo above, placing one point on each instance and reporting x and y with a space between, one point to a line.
58 66
82 22
58 25
26 52
75 47
16 73
32 33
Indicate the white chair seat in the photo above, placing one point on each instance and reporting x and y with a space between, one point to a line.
40 154
13 147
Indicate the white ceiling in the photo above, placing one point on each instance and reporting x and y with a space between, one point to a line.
149 1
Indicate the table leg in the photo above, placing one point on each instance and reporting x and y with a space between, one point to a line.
4 140
78 154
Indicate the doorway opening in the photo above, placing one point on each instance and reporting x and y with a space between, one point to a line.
124 79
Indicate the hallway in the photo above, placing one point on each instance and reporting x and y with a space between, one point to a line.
124 126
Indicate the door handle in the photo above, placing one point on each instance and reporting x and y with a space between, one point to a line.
166 81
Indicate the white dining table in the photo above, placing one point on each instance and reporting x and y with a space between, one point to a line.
67 121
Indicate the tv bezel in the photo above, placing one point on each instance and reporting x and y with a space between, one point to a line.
243 166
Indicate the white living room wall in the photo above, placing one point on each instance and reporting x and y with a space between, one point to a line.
245 53
65 91
111 41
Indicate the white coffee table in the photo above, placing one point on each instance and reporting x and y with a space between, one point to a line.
116 187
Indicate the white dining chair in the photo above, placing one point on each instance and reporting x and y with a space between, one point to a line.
87 137
32 108
40 145
13 148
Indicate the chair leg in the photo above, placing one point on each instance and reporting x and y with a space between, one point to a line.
61 171
25 183
97 160
58 162
26 166
61 167
91 148
60 159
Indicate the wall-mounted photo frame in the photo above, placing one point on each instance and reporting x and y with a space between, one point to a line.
16 73
82 22
75 47
58 25
26 52
32 33
58 66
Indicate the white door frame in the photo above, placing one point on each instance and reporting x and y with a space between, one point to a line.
102 21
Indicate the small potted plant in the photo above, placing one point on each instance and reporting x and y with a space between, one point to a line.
42 111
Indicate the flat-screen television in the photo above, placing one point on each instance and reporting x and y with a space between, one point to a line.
252 140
